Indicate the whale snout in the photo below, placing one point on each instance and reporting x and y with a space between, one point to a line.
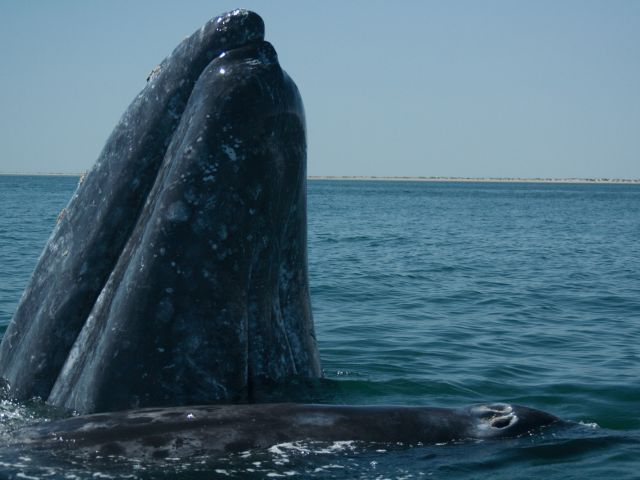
507 420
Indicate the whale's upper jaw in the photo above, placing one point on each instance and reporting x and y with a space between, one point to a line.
507 420
229 31
232 30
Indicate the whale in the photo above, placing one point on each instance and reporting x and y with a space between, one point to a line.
173 290
93 229
177 274
215 430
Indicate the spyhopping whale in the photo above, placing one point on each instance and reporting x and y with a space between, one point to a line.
177 276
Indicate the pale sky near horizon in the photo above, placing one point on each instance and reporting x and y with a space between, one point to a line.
411 88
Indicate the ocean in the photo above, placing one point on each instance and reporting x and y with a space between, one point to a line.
424 293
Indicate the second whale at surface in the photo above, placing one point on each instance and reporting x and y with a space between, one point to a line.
212 431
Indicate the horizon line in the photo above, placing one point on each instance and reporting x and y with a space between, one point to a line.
408 178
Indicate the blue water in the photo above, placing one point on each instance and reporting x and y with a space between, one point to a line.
442 294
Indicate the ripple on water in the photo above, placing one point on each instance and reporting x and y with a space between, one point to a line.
437 294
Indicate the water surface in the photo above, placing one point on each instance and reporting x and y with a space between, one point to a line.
442 294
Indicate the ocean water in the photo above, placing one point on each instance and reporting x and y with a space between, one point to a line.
440 294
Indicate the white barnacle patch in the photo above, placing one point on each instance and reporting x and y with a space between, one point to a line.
189 152
229 152
178 212
209 172
222 71
154 73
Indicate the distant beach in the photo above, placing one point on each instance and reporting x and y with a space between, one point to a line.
42 174
481 179
625 181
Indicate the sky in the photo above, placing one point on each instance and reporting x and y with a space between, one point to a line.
531 89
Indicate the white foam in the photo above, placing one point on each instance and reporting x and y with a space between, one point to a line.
307 448
593 425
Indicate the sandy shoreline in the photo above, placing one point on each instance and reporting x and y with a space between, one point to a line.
40 174
625 181
482 180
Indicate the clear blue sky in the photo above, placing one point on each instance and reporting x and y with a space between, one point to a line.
545 88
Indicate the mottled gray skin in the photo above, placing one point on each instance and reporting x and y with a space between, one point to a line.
178 272
211 431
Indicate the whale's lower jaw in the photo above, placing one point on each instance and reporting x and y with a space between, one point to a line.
215 430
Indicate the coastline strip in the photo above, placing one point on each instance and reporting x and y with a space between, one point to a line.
625 181
481 179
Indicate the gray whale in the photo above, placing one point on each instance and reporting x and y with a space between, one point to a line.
183 432
177 274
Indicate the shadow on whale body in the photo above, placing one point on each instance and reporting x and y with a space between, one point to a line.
177 275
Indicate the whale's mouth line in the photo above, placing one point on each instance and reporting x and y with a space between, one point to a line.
213 55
